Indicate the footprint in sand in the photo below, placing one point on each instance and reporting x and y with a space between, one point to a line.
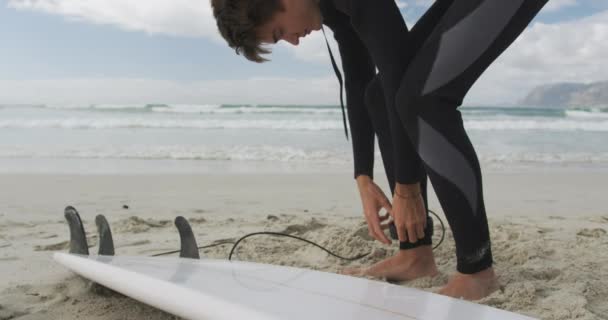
313 224
596 294
133 244
271 217
197 220
9 259
10 314
592 233
137 225
556 218
544 274
542 230
64 245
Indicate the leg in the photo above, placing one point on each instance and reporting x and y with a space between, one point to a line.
414 260
467 39
376 107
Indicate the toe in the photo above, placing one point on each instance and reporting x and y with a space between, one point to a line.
351 271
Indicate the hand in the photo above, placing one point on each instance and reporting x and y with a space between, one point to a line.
409 213
373 200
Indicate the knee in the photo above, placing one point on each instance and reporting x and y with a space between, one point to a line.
411 102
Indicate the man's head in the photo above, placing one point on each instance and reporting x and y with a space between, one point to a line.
249 24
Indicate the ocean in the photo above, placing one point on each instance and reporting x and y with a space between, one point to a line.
91 139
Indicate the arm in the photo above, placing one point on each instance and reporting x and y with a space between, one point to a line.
401 161
358 71
381 29
364 116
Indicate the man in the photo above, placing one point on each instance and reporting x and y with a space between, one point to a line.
423 77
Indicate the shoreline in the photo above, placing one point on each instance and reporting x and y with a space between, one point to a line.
506 192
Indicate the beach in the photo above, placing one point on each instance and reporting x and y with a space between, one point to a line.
145 111
548 229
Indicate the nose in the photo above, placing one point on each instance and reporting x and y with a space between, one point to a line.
294 39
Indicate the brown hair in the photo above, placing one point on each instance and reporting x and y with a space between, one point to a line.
238 20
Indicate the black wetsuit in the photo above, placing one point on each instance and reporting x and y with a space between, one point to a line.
411 104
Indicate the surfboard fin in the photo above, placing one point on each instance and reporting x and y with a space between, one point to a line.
188 246
78 238
106 243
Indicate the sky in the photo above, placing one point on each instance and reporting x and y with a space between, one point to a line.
169 51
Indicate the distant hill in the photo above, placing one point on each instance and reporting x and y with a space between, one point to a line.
568 95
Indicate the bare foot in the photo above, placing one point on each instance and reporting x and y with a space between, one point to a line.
405 265
471 286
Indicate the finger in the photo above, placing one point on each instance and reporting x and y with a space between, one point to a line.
380 236
420 231
401 233
370 226
386 204
383 238
369 230
411 233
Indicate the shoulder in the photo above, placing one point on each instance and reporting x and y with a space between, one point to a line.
341 5
333 17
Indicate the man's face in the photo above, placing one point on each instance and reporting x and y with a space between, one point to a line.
297 20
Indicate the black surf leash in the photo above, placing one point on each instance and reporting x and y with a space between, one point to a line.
189 248
280 234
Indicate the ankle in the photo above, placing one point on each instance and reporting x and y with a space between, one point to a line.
422 252
487 273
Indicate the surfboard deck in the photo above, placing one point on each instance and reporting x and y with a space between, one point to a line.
222 289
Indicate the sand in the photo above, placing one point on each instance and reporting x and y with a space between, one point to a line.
549 235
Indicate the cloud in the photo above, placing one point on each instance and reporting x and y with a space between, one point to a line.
545 53
555 5
401 4
191 18
574 51
141 91
564 51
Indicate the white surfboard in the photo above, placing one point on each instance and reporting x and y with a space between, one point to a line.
221 289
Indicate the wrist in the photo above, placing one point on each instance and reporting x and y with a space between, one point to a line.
363 180
407 190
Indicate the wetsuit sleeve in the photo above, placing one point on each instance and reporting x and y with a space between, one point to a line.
382 30
381 27
358 72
